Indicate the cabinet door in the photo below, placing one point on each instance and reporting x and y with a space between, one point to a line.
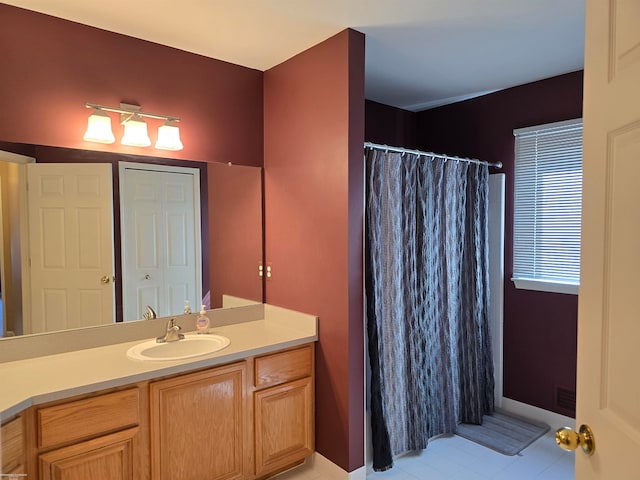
197 425
12 447
110 457
283 425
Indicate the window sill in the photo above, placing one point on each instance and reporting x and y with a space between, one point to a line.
546 286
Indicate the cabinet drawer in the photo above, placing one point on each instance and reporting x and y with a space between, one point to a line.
86 418
283 366
12 445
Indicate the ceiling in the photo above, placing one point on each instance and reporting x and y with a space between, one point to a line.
419 53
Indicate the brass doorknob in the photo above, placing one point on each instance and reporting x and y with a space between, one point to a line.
106 279
569 439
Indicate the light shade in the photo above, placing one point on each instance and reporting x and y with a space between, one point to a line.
99 128
169 137
135 132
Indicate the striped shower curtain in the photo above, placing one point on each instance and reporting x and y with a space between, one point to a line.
427 299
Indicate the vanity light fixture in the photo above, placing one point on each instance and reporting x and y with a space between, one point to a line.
99 128
135 132
169 136
135 128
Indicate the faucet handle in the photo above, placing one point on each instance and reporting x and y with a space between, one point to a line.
149 313
173 330
171 335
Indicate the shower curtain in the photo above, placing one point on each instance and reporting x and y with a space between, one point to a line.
426 271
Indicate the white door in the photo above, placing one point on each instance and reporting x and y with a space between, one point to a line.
70 245
609 319
161 253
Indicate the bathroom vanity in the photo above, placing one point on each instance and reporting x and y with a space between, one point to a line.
245 412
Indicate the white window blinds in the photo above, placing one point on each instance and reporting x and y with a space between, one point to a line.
547 209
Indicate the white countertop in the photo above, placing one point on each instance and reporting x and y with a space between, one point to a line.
33 381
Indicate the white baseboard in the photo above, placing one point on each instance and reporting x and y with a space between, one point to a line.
555 420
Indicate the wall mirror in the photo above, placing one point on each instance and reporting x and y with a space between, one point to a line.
147 240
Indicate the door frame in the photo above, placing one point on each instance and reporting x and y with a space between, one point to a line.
21 161
195 173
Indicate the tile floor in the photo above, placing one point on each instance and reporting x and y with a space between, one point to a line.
455 458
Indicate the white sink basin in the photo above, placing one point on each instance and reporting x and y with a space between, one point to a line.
189 346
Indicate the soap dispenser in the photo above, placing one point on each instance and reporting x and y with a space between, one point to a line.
187 308
202 322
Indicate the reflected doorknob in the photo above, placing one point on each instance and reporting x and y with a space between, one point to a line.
569 439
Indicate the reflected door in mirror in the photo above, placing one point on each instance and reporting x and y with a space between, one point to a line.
70 245
161 246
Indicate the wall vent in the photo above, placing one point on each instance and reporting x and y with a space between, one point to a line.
566 400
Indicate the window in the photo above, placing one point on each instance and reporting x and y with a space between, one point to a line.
548 204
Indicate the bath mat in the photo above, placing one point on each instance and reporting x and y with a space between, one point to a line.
503 433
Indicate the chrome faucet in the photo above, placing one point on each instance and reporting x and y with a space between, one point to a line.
149 313
172 334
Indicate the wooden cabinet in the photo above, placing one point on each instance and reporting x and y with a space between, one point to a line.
12 447
89 417
96 437
198 425
242 421
283 412
201 423
109 457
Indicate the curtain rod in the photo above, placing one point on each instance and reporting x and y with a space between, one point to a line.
378 146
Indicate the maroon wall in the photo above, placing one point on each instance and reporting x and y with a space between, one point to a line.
235 219
314 129
52 67
312 132
388 125
540 329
